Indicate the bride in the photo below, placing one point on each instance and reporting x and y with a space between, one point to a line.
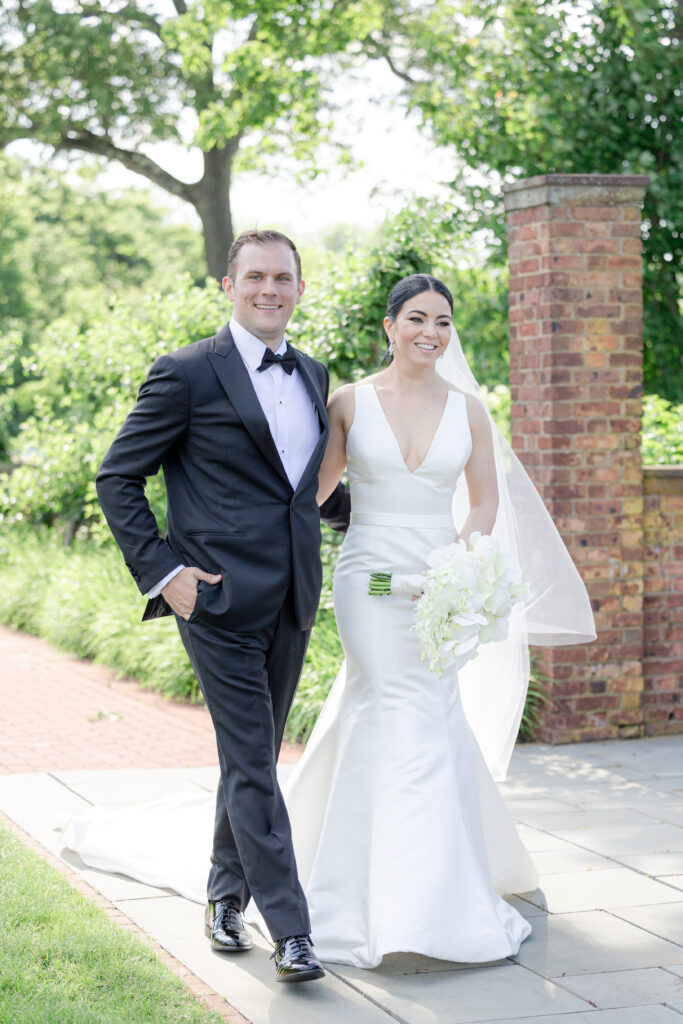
402 840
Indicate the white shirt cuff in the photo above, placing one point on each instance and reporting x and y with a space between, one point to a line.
156 590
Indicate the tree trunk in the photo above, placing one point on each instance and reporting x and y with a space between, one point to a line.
213 207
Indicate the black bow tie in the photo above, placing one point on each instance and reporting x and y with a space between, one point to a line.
287 361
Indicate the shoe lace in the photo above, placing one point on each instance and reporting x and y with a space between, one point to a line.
299 945
228 918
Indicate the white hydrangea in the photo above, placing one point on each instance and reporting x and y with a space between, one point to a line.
468 594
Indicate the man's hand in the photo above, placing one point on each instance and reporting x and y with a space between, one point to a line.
181 591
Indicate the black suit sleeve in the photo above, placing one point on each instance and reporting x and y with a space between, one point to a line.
154 426
336 511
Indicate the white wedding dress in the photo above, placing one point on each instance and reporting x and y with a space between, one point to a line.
402 840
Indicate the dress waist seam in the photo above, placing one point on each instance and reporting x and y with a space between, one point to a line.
425 522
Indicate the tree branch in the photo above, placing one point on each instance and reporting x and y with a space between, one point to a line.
100 145
180 6
397 71
380 50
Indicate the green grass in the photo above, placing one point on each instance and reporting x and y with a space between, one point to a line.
62 961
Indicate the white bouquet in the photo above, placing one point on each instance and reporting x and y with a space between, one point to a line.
466 599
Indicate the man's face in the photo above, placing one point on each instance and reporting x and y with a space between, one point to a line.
264 290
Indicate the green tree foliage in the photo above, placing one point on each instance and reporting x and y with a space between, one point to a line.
67 245
662 432
249 79
81 381
342 323
61 233
587 86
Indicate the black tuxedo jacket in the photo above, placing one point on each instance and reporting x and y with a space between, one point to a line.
231 507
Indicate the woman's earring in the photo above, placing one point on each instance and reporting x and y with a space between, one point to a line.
391 348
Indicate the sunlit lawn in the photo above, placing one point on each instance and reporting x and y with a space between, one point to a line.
62 961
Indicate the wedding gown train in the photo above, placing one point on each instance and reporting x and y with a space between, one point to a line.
402 840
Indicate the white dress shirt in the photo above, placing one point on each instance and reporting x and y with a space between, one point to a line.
287 406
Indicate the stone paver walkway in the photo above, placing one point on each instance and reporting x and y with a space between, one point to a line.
603 821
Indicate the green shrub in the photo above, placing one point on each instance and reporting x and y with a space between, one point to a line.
82 381
662 431
84 601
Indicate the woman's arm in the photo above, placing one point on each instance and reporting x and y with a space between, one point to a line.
340 413
480 473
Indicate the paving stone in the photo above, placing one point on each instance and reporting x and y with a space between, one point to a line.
525 907
600 890
673 813
523 807
627 988
31 800
395 964
633 1015
461 996
665 920
555 862
590 942
578 819
655 864
537 841
125 786
247 980
655 838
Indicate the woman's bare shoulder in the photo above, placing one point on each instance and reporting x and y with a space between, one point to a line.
341 405
343 396
477 414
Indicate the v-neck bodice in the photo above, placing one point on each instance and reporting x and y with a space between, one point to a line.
380 481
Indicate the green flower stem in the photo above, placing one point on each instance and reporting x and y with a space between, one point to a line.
380 584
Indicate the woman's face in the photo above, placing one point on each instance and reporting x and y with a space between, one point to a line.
422 328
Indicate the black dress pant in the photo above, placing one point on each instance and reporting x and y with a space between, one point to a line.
248 681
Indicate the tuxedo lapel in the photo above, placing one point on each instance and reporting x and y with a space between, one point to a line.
234 378
313 389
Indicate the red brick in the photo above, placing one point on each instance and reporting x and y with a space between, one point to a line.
595 213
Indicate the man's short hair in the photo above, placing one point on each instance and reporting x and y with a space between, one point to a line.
260 238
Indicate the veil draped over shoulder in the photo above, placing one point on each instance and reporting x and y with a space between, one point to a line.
558 611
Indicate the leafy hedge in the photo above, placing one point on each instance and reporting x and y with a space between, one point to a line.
662 431
83 601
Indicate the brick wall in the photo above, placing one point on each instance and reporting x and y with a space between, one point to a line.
663 609
576 383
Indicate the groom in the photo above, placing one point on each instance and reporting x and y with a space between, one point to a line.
238 424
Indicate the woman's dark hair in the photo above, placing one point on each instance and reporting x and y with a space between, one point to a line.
409 287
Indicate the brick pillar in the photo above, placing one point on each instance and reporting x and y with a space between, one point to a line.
576 383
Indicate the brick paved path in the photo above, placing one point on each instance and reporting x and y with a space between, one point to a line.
59 712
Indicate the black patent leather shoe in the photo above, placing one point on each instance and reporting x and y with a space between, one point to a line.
224 925
294 960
